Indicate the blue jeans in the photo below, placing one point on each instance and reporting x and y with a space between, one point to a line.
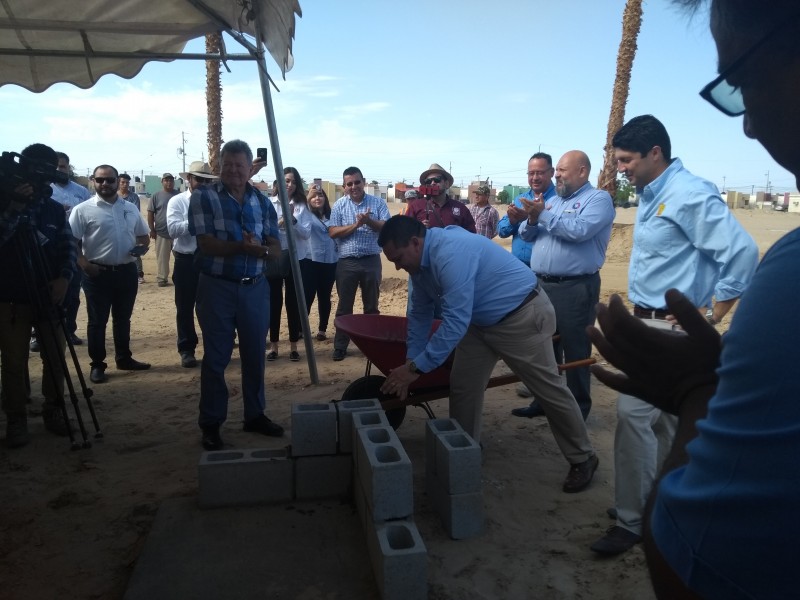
224 308
575 301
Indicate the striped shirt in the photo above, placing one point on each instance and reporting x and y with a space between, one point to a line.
363 241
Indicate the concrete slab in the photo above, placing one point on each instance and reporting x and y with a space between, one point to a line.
312 550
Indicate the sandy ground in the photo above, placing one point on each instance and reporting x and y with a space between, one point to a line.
73 523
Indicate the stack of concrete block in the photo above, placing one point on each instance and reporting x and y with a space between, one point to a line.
453 477
384 495
241 477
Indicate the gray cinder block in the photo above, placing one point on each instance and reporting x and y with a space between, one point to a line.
344 416
458 463
323 476
366 419
399 560
384 470
313 429
433 429
240 477
462 515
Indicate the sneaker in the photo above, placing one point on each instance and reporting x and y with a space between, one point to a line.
54 420
339 354
17 431
294 356
580 475
188 361
616 541
211 438
262 424
141 279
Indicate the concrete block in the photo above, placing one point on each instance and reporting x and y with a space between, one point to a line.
434 428
458 463
323 477
344 417
384 470
399 560
462 515
364 419
313 429
241 477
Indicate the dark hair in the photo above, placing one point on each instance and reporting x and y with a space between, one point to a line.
299 193
325 209
116 173
352 171
641 134
543 156
41 152
237 147
63 155
399 230
125 176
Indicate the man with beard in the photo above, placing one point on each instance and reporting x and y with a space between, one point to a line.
108 229
570 233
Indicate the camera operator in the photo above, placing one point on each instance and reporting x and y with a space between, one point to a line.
29 205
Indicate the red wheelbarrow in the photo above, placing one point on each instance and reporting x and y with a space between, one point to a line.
382 339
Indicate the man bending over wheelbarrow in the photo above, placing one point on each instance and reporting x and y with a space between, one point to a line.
477 281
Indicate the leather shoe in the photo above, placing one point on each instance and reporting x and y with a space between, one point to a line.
580 475
75 340
262 424
130 364
98 375
616 541
339 354
188 361
534 410
211 438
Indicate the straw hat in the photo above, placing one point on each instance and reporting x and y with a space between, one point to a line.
199 169
436 169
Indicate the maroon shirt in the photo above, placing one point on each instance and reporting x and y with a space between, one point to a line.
451 212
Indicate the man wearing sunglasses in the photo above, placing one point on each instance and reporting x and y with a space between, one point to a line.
108 229
684 238
433 207
722 520
184 274
356 220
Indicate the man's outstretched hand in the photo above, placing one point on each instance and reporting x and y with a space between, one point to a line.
659 366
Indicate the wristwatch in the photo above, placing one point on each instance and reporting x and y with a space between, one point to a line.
412 366
710 318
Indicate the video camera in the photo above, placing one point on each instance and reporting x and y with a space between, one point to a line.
16 170
429 191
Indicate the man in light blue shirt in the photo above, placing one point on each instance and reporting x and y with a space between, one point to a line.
570 234
684 238
355 222
488 298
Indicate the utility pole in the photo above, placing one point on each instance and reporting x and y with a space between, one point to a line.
182 149
766 188
723 184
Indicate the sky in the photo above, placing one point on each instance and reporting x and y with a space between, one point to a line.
391 87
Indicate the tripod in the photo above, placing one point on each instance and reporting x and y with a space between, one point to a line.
49 322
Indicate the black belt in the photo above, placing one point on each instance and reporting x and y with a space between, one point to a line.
560 278
359 257
649 313
182 254
240 281
533 293
113 267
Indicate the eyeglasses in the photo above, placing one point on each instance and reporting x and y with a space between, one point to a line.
537 173
728 98
352 183
201 179
431 180
102 180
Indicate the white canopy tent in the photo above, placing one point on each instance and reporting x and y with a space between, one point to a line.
77 42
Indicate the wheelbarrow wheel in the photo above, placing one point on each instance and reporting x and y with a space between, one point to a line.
369 387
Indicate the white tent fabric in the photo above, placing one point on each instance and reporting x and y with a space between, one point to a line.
79 41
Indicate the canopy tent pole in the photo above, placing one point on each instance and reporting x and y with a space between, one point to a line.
284 199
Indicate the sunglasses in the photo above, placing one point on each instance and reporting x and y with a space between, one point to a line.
352 183
102 180
431 180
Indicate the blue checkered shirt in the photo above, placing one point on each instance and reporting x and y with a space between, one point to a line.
213 211
363 241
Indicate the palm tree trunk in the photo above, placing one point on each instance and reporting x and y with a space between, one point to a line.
213 101
631 23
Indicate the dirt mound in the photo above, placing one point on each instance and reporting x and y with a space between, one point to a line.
619 247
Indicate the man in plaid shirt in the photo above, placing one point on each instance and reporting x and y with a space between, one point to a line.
485 214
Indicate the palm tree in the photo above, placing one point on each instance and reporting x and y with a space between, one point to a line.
213 101
631 23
